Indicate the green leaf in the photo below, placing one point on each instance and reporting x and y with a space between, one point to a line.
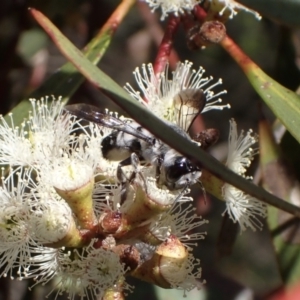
284 103
283 11
143 116
67 79
279 178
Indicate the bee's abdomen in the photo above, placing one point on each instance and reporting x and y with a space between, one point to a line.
118 146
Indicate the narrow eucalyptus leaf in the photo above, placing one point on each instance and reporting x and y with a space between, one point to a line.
284 103
67 79
143 116
278 177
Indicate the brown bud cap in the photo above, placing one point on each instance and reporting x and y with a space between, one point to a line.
171 256
129 256
207 137
111 222
210 32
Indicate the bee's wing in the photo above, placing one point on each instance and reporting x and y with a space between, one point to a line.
188 104
93 114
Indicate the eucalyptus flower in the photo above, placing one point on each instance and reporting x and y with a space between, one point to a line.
233 7
242 208
88 272
182 222
172 6
17 241
44 134
50 217
158 92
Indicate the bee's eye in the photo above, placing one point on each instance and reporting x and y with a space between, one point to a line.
182 166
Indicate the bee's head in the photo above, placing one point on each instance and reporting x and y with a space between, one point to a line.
181 172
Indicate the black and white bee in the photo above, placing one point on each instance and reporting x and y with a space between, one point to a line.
130 143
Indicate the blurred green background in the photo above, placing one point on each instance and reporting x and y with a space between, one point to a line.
28 58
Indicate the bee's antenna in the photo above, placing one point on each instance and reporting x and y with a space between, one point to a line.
203 190
184 191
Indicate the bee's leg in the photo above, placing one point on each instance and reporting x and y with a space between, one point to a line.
120 174
157 171
182 192
203 191
123 180
135 162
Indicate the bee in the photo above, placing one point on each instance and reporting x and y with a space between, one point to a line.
130 143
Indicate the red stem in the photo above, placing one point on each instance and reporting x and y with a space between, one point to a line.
156 32
237 53
187 22
166 45
228 44
200 13
117 16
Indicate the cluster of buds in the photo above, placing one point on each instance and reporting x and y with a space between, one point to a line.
66 216
212 15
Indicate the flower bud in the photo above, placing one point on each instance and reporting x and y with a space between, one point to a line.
110 222
210 32
171 266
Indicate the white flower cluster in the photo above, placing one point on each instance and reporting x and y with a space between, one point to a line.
159 92
48 168
180 6
160 95
172 6
60 191
241 207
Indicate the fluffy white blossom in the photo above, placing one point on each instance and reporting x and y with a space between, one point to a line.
43 265
185 276
62 188
50 217
242 208
182 222
179 267
66 173
172 6
240 152
86 272
17 243
158 92
46 132
233 7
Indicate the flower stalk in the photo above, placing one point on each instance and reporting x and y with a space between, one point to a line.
80 201
166 45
